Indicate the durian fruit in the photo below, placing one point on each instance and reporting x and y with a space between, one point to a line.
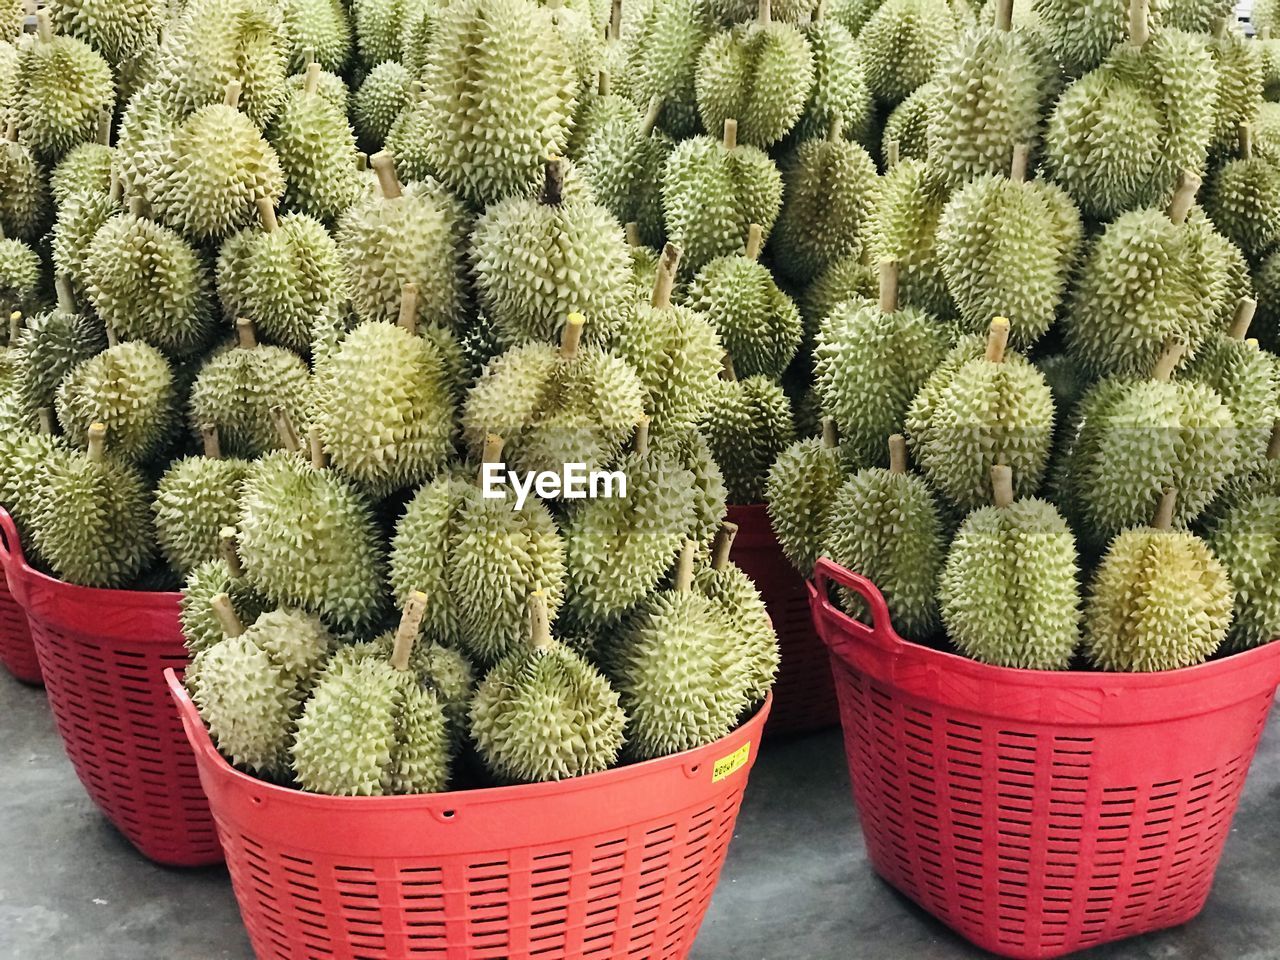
678 669
24 193
903 44
225 575
758 324
904 229
250 687
50 346
906 130
386 93
885 525
989 93
384 403
759 74
215 170
662 58
545 713
20 269
1079 36
406 234
988 410
237 387
801 489
308 538
870 361
1007 248
62 88
1243 199
147 283
371 729
86 168
675 350
1137 438
600 106
828 195
148 122
319 30
622 159
24 455
91 516
283 276
1246 540
13 14
1196 16
117 29
378 30
195 500
538 261
317 153
407 142
1239 62
747 424
1008 592
130 389
489 137
712 190
788 11
689 449
1159 601
581 39
418 27
839 90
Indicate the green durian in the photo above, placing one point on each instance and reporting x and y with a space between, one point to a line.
378 29
86 168
195 500
386 93
848 278
24 194
747 424
1265 17
788 11
407 142
13 14
1243 200
839 91
906 129
601 106
418 27
583 45
20 275
689 449
662 59
24 456
117 29
149 120
1080 35
423 541
50 346
1266 281
1160 600
1196 16
63 87
622 159
8 61
802 487
1008 591
130 389
904 227
903 44
201 628
1246 540
319 30
1239 62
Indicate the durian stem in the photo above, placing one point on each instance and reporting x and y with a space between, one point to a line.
246 336
117 188
1169 359
319 460
313 78
362 161
2 233
408 318
112 339
897 453
891 151
226 614
492 453
1219 27
830 436
553 183
1184 198
632 231
1163 520
66 299
138 207
819 12
284 427
666 281
723 544
651 116
1245 310
539 621
231 94
684 567
1002 485
415 609
641 444
384 165
230 551
1021 162
755 240
1264 33
212 442
267 214
888 286
44 26
602 83
764 13
1273 448
571 335
835 129
45 418
104 128
1004 15
1139 22
97 442
731 134
615 20
727 372
998 339
11 131
1244 137
15 326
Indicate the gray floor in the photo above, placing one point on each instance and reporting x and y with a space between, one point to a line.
796 885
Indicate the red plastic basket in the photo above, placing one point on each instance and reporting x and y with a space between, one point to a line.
804 696
1041 813
17 652
103 654
621 864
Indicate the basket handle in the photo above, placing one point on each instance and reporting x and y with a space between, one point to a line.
881 632
13 562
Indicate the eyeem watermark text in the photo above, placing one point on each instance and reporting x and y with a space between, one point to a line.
573 482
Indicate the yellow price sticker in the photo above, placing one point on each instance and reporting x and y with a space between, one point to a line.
727 766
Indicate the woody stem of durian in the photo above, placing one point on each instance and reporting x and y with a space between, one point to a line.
97 442
1004 15
666 280
138 207
730 134
615 20
641 443
44 26
231 94
246 336
1184 197
362 161
755 240
651 116
1169 359
319 460
66 299
1002 485
888 286
104 128
492 453
211 441
819 12
553 183
1244 138
45 418
684 568
11 131
284 429
727 370
384 166
267 214
117 188
830 438
571 336
15 326
764 13
1243 319
632 232
897 454
602 83
539 621
230 551
998 339
1163 520
723 545
891 154
1020 163
110 331
835 129
408 317
226 614
1139 22
407 633
313 78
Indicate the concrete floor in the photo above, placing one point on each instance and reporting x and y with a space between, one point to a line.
796 884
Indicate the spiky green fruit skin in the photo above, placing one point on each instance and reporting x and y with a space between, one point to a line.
200 628
1248 380
409 239
848 278
759 75
217 166
741 605
384 403
19 276
317 152
131 389
1137 439
748 423
690 450
581 40
236 389
23 458
8 65
1067 383
989 88
385 94
87 168
407 142
1225 272
662 62
308 539
545 715
148 122
13 13
903 44
758 324
422 544
537 263
416 32
50 346
24 196
869 366
92 521
377 28
1243 201
1246 540
677 354
283 280
829 192
624 170
490 136
1006 251
194 500
1265 15
839 88
908 124
904 228
148 284
802 486
885 526
1160 600
1266 282
63 87
117 29
596 111
740 11
711 195
1239 64
1081 35
1008 592
319 28
401 742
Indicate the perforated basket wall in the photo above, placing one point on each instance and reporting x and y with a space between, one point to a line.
103 654
1041 813
804 696
17 652
617 865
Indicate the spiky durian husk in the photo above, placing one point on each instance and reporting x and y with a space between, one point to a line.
583 45
868 367
317 28
63 87
839 88
1196 16
1239 64
117 29
8 62
50 346
92 521
758 324
1003 255
903 43
689 449
377 29
748 423
148 284
386 93
420 549
903 227
130 388
87 168
407 142
1160 601
739 11
742 606
410 239
595 111
317 153
1266 282
885 526
908 124
200 627
23 458
1225 274
1265 15
624 170
418 27
13 13
1243 201
1008 592
236 389
20 269
802 487
1080 35
829 193
148 122
308 539
848 278
662 59
1246 540
1248 380
1067 383
24 195
546 714
194 500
